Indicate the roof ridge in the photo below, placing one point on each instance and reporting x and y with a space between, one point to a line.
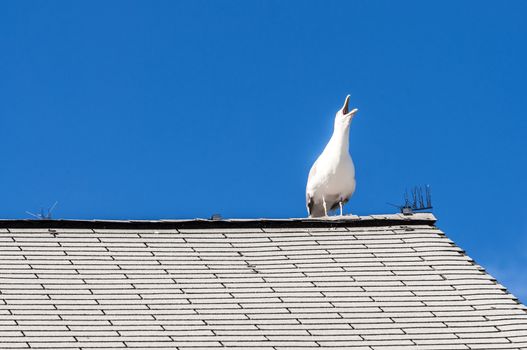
332 221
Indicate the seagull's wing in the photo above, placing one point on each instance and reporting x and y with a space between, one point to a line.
310 203
312 173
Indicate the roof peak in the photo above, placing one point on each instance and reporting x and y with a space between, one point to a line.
331 221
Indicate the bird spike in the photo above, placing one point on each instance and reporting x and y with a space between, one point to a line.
44 215
421 199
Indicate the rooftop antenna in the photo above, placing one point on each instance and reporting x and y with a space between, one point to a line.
44 215
421 199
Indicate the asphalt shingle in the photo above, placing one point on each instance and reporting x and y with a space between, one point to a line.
378 282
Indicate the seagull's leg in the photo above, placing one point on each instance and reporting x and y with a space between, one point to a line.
325 207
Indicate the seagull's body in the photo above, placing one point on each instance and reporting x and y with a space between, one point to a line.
331 180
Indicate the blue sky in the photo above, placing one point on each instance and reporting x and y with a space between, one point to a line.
165 109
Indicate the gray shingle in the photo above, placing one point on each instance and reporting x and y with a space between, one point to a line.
378 282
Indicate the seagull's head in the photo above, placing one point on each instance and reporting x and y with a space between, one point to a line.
344 115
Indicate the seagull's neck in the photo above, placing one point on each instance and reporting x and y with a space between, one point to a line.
340 139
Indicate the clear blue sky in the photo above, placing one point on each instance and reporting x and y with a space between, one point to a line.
174 109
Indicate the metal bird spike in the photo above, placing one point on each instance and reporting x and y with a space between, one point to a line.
421 199
421 202
406 198
428 196
42 215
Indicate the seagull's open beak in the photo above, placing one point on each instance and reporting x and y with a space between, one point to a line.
345 107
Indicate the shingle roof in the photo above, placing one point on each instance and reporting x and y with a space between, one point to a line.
378 282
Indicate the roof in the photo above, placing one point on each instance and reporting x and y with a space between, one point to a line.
371 282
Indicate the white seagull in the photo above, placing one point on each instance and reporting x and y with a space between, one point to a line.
331 180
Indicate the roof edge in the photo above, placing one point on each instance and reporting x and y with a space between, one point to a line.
332 221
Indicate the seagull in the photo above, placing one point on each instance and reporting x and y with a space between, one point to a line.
331 180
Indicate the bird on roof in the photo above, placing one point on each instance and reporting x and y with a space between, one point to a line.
331 180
